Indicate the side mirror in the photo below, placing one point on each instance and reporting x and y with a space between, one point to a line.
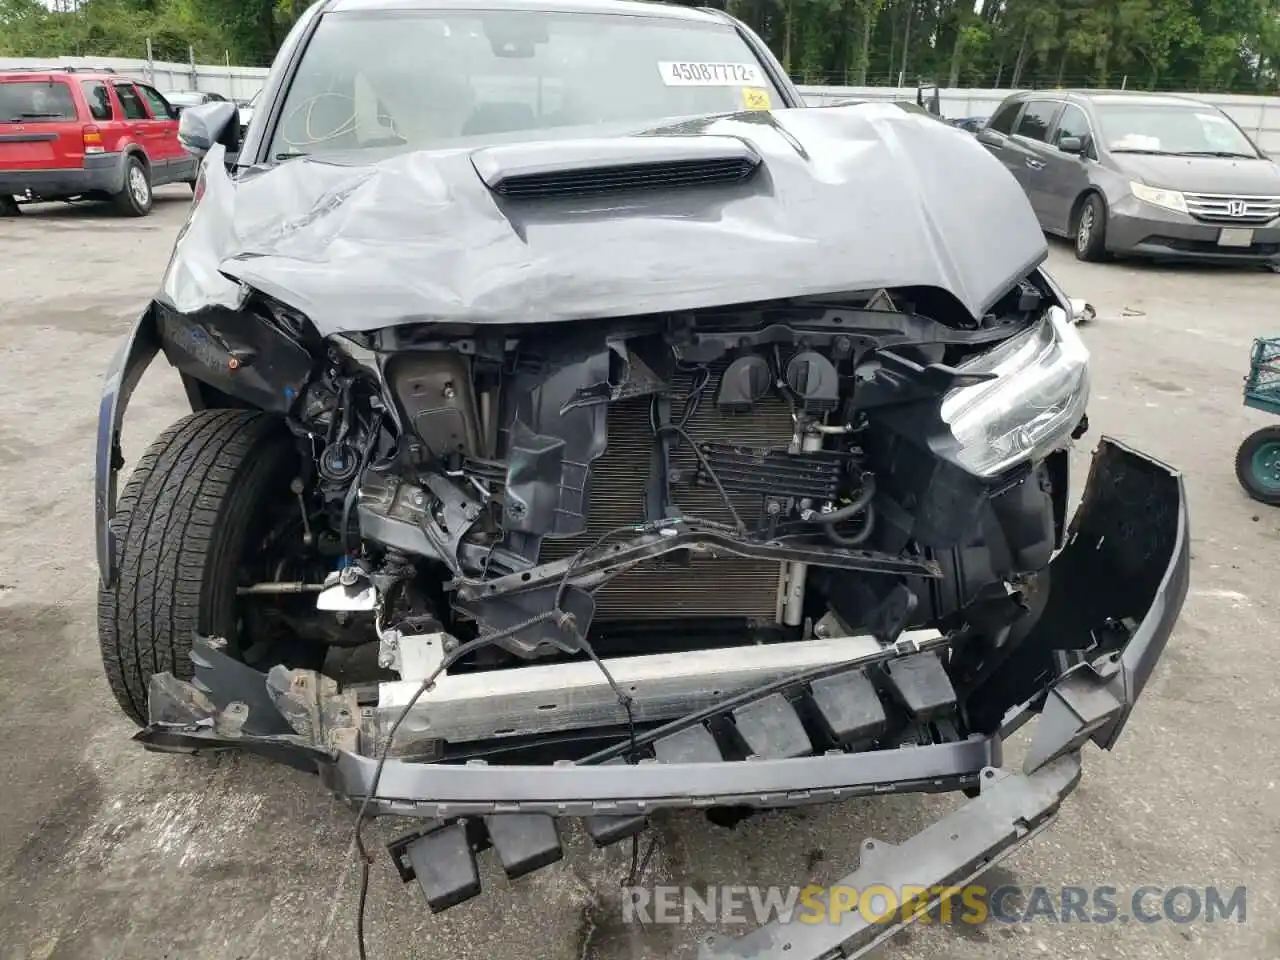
200 127
1073 145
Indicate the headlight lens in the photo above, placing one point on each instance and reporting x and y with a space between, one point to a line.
1168 199
1029 409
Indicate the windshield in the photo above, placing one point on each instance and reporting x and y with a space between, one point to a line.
1191 129
415 80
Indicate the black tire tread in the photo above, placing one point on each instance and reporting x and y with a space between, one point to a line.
123 201
172 524
1244 464
1096 252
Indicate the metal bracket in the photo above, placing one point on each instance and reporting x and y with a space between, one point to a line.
413 656
348 590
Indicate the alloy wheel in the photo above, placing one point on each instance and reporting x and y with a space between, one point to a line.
139 186
1084 231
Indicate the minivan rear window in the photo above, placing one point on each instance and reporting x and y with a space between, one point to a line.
1002 122
1037 119
35 101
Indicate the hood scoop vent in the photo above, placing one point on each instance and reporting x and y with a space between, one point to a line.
576 168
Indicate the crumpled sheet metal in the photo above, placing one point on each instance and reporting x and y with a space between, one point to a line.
848 198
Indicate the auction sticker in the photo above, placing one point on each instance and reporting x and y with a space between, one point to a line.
690 74
755 98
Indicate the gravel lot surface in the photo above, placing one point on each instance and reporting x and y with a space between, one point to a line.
109 852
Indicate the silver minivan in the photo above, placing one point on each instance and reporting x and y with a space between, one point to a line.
1150 175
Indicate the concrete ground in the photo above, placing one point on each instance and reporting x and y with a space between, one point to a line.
110 852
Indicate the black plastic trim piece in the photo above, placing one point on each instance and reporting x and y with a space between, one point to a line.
1010 810
127 366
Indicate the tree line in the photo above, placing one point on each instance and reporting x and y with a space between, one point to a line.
1208 45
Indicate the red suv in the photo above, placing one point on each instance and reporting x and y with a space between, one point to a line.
67 133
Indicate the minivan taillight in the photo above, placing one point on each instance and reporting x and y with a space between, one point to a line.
92 140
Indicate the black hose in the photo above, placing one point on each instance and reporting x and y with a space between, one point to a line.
861 505
859 538
861 502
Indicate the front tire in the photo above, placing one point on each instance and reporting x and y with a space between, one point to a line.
1091 230
136 198
192 511
1258 465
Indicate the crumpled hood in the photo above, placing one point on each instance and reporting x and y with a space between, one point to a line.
848 198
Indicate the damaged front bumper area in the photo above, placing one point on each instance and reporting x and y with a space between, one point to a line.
1116 590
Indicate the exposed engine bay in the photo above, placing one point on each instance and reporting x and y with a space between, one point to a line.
749 479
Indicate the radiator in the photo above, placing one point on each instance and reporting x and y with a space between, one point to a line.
682 588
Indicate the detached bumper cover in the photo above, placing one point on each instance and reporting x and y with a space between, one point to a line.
1012 809
1117 589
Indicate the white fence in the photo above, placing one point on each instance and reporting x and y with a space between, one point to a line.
1258 116
235 83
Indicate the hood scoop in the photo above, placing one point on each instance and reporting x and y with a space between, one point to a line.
577 168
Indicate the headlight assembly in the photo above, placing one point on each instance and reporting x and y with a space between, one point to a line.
1167 199
1038 396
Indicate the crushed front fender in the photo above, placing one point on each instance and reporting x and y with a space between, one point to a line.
127 366
1115 593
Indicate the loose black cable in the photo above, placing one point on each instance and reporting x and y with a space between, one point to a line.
555 613
360 906
694 398
449 659
591 548
706 465
726 704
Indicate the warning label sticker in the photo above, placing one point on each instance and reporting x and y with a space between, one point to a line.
689 74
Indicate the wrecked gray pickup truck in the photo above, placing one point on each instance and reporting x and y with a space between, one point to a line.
615 436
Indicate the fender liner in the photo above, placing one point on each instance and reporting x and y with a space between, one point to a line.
127 366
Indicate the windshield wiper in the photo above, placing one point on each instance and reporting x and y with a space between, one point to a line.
291 156
37 116
1153 153
1216 153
